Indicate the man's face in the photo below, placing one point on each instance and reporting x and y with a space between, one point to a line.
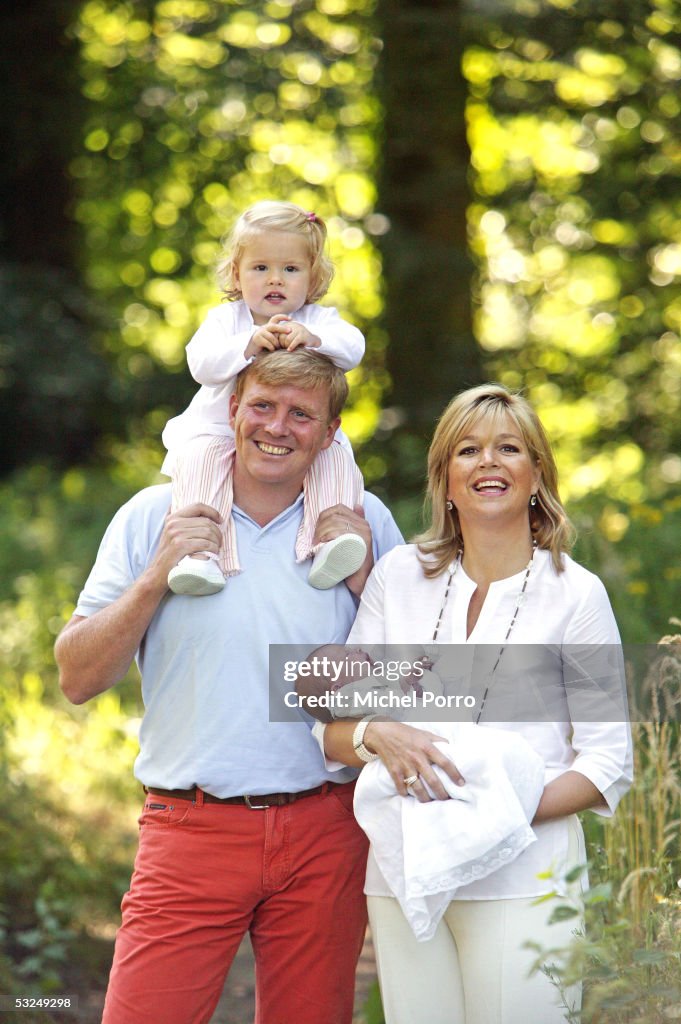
279 431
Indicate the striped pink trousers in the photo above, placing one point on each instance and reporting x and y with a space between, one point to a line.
203 472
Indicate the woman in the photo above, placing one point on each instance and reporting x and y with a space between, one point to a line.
493 569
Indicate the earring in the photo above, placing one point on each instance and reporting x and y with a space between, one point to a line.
533 500
449 505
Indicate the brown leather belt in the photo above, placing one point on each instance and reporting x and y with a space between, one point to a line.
256 803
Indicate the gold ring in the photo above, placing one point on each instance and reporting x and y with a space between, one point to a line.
411 780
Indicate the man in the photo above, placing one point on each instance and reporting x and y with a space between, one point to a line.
242 829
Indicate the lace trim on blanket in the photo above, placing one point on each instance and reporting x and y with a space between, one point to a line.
453 878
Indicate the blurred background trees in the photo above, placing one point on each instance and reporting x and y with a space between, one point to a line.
575 128
500 180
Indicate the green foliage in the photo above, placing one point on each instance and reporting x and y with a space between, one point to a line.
630 950
634 548
195 109
373 1009
63 870
191 109
66 785
56 396
626 977
575 122
52 526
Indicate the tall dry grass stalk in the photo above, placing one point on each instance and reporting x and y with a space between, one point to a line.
630 955
641 843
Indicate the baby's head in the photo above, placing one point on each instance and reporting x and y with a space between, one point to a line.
269 216
332 669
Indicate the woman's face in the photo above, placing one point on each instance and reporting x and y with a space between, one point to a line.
491 474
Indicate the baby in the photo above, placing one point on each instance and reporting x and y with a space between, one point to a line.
426 851
364 684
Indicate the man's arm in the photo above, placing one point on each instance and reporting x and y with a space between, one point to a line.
94 652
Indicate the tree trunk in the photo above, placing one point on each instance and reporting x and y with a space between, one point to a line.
423 191
40 121
53 384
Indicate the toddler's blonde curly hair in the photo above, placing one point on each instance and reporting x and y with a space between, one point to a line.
274 215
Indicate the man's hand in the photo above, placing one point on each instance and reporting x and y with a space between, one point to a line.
340 519
405 752
188 531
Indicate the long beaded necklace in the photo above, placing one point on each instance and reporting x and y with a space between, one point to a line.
520 600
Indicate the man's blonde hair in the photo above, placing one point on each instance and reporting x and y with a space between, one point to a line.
300 368
273 215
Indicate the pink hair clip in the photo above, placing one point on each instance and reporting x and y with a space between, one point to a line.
311 216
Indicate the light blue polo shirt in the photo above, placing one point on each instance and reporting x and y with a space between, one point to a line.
205 660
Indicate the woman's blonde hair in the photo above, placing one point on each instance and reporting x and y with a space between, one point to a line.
550 526
273 215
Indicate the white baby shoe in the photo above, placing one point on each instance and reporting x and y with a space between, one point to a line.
336 560
197 577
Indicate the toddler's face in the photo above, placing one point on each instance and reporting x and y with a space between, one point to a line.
274 274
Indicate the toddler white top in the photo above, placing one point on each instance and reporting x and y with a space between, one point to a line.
216 355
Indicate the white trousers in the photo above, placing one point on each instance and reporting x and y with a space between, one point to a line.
474 970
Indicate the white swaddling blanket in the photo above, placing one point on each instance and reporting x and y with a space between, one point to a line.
427 851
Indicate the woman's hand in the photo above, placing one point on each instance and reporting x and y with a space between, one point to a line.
406 751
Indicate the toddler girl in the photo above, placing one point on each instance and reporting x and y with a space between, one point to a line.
275 269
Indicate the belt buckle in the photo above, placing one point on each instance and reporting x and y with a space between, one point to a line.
255 807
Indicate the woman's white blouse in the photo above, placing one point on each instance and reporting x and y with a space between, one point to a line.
400 605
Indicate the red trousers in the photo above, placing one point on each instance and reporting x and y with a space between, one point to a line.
205 874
